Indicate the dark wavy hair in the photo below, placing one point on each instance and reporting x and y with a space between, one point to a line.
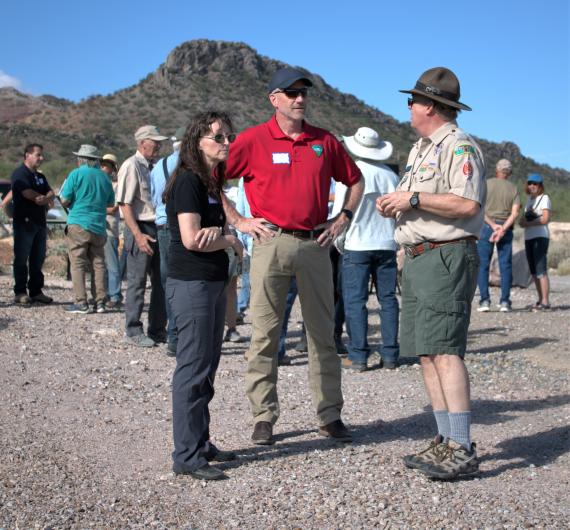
192 159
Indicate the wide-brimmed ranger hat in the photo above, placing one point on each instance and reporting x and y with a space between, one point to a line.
441 85
366 143
285 77
88 151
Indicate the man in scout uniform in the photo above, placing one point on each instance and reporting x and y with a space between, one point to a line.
439 206
287 165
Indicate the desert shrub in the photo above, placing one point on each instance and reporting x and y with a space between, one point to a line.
558 252
563 268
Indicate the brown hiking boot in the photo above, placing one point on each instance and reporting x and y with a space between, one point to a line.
454 460
263 433
336 431
431 455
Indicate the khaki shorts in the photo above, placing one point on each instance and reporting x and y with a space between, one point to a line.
437 290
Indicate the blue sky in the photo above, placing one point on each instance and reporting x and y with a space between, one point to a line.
512 57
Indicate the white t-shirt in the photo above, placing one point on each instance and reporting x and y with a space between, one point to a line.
368 229
537 204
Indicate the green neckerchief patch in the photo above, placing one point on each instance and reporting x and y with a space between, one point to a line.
318 149
463 150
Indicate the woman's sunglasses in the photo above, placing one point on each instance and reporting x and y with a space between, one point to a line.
221 138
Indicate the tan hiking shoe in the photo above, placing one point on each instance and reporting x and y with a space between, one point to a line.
431 455
455 460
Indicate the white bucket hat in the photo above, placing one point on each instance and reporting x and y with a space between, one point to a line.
87 151
366 143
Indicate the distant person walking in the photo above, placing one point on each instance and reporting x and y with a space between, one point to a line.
535 221
439 209
501 212
87 193
143 253
370 252
196 288
32 197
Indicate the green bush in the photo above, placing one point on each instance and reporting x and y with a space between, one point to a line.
559 252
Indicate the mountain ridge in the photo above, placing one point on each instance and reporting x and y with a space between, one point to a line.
196 75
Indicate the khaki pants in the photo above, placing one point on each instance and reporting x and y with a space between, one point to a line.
273 264
86 251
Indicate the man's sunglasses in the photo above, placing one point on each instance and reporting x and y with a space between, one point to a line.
221 138
294 93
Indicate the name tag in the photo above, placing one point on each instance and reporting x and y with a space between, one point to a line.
281 158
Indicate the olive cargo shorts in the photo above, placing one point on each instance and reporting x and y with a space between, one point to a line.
437 290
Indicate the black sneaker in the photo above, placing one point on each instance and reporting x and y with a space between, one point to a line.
206 472
215 454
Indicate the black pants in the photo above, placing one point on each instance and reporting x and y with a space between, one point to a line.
199 308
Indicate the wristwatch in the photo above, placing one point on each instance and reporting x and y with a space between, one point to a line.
348 213
415 200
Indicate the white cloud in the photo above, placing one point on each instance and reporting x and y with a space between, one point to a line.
8 80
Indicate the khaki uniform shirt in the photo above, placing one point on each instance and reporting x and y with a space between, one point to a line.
113 219
133 187
448 161
502 195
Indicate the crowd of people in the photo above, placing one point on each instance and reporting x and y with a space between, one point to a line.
182 231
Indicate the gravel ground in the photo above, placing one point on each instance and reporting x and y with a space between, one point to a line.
86 432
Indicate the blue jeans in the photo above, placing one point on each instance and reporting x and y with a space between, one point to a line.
30 242
243 295
113 273
163 236
505 252
291 296
357 268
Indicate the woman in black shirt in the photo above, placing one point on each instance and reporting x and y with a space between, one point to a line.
196 287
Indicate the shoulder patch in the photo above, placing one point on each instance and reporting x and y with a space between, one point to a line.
463 150
468 169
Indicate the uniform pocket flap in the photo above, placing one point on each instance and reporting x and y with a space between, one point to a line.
454 307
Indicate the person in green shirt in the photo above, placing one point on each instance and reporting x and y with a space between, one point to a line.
87 192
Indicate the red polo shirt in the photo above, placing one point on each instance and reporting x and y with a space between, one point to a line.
287 181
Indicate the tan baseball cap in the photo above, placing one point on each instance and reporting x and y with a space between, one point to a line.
504 165
149 132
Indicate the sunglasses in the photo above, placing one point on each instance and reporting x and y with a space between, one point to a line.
221 138
532 183
410 103
294 93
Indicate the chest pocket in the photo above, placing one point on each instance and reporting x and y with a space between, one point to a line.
426 180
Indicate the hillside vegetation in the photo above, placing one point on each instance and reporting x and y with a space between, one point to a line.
197 75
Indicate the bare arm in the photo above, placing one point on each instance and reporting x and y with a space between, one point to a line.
192 236
334 227
142 240
254 227
38 198
444 204
544 219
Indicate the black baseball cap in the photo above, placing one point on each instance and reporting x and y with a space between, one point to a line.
285 77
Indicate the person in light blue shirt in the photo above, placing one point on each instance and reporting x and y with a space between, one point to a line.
87 193
369 250
242 206
159 175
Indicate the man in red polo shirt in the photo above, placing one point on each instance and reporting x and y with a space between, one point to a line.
287 166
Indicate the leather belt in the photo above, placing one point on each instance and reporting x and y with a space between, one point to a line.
300 234
420 248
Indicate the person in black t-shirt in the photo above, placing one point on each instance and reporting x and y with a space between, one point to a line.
32 196
196 287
